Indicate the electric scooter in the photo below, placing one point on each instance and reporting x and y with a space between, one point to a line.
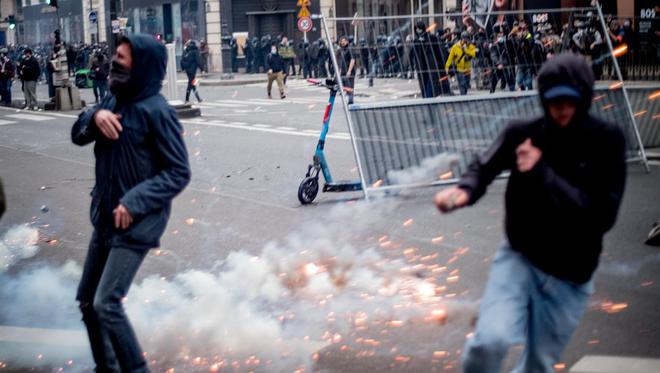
309 187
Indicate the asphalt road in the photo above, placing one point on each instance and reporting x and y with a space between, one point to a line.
248 156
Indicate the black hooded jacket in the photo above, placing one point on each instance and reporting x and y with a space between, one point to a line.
557 213
148 165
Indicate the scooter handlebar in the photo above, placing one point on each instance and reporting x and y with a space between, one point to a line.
328 83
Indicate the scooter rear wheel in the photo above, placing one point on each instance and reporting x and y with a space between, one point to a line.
308 190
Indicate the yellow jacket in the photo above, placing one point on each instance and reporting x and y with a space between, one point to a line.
463 63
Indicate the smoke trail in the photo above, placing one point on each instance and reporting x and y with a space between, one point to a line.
271 312
430 170
20 242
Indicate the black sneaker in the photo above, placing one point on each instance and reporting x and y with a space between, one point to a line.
654 235
282 97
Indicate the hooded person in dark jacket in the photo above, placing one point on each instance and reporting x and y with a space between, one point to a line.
190 62
568 171
141 165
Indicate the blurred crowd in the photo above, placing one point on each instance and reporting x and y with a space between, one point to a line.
507 55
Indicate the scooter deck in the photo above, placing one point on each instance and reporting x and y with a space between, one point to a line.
343 186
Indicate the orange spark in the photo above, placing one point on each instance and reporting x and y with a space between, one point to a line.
600 97
402 359
311 269
378 183
560 366
620 50
408 223
440 354
395 323
616 85
647 283
190 221
654 95
437 240
452 279
594 341
610 307
640 113
432 27
446 176
606 107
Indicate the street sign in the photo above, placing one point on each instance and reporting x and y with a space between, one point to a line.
93 16
304 8
305 24
115 26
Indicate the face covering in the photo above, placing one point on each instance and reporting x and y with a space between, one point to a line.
120 79
273 51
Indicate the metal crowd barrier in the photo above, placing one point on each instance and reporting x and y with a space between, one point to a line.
422 142
645 103
398 136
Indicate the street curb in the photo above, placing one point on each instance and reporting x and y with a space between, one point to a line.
230 82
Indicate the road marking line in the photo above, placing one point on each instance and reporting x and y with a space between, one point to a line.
37 118
342 134
249 101
262 125
312 131
72 116
263 101
612 364
268 130
229 105
286 128
6 122
56 337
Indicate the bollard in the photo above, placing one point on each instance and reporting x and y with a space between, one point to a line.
171 73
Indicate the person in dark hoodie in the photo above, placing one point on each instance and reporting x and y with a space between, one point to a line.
568 171
190 62
99 77
141 165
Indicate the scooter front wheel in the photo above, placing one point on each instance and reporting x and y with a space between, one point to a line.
308 190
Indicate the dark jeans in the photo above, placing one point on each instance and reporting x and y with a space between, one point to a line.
349 82
5 91
506 76
426 85
100 87
463 82
105 281
191 87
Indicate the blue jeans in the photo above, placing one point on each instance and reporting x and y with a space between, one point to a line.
522 304
105 281
463 82
100 87
524 78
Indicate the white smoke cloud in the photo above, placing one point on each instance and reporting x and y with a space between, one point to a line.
430 170
272 311
20 242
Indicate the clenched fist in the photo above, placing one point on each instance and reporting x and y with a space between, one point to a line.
108 123
451 199
527 155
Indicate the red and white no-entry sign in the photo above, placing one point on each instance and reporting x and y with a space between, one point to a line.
305 24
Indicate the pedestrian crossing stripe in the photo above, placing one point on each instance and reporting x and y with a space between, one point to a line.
37 118
221 104
6 122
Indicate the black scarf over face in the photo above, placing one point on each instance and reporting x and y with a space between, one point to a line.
120 80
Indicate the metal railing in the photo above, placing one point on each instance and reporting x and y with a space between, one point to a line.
394 139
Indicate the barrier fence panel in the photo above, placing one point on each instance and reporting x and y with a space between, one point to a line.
433 96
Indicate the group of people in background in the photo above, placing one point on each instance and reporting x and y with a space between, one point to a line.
32 65
505 56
